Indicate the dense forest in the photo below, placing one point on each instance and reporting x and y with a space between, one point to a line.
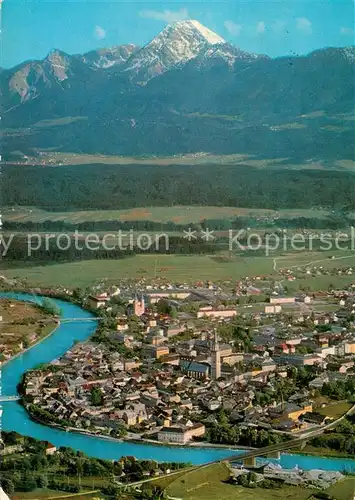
118 187
70 249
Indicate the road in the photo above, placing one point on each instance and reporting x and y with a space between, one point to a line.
307 264
293 443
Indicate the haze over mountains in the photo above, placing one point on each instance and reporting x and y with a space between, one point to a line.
185 91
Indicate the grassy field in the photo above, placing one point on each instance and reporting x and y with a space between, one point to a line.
176 214
58 158
335 410
53 494
343 490
174 267
181 268
306 259
55 158
320 283
208 484
37 494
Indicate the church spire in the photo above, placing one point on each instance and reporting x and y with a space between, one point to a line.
215 343
216 358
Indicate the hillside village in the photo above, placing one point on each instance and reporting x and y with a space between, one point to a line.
171 363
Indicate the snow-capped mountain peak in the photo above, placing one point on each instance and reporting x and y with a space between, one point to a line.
210 36
176 44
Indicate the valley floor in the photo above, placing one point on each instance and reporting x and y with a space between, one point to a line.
188 268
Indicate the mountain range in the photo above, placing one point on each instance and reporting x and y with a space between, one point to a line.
186 91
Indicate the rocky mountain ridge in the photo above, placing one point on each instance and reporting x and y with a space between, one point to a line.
187 90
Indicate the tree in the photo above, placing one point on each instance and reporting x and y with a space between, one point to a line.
173 312
242 480
76 466
25 342
97 397
29 483
251 478
150 492
42 481
50 307
39 461
7 485
78 294
163 306
25 464
11 438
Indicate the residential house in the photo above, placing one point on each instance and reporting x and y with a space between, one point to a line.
282 300
98 301
273 309
210 312
156 351
50 449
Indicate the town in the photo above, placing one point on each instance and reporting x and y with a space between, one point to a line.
176 364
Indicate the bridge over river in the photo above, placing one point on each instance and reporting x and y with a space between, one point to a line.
9 398
249 457
82 320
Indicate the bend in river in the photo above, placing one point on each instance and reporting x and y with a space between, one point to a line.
15 417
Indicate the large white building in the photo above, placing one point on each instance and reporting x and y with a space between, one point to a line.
180 435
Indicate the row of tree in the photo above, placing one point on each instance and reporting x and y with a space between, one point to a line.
34 469
331 222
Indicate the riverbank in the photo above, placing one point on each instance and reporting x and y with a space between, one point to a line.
323 452
194 444
316 452
73 430
38 341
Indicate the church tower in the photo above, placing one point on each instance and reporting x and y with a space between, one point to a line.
139 306
216 358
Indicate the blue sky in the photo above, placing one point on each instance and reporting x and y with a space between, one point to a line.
31 28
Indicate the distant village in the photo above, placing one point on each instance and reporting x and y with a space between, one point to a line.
168 361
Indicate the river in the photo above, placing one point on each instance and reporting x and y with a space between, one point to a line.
15 417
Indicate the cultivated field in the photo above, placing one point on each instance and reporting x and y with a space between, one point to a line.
176 214
209 483
21 321
55 158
